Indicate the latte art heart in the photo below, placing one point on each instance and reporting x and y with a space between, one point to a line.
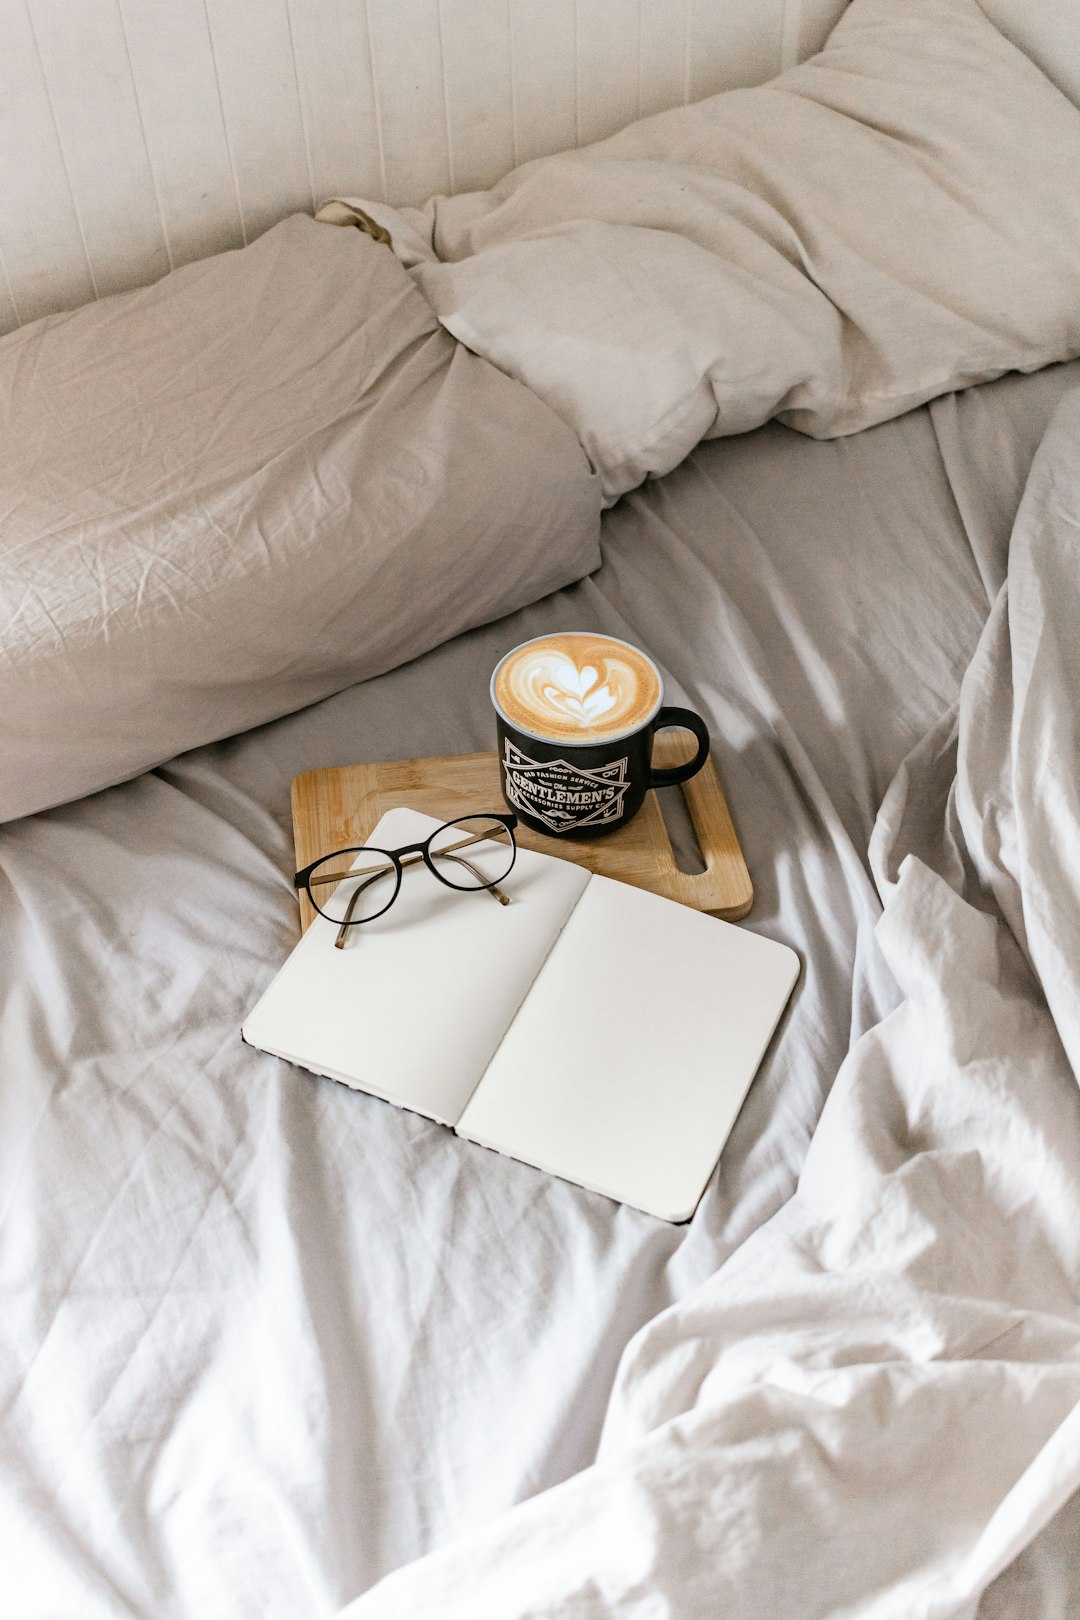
578 687
577 681
579 693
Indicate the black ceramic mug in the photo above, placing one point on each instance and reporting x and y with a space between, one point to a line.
576 714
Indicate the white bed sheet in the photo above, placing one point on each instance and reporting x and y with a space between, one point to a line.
873 1406
265 1339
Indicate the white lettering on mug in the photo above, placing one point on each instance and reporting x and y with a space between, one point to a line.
564 797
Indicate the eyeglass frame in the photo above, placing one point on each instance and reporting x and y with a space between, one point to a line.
409 855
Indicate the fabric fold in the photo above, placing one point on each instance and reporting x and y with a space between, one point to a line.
874 1405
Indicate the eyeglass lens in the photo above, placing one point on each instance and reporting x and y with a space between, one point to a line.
356 895
472 853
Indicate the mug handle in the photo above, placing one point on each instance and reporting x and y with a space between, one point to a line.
667 776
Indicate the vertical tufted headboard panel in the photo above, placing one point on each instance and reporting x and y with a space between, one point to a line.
136 135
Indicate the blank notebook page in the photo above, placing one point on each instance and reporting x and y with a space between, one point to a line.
630 1058
413 1007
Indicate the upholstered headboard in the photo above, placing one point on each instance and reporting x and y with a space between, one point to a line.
136 135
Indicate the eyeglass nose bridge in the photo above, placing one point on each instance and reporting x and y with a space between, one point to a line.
409 854
414 849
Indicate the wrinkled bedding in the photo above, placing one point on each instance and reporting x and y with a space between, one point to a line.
893 219
907 1329
265 477
265 1340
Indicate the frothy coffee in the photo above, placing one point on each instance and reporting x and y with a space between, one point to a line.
577 687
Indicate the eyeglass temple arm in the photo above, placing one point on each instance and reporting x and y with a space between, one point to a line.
406 860
343 931
492 888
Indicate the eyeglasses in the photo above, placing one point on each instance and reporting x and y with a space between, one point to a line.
348 892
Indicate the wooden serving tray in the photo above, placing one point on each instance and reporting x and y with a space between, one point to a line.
339 806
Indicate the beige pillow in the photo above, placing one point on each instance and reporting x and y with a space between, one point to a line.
239 490
893 219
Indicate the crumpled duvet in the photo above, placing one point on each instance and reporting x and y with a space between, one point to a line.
891 220
874 1405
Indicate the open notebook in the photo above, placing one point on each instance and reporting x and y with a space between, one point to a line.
588 1028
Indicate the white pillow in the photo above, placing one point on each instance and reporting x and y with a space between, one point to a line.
893 219
239 490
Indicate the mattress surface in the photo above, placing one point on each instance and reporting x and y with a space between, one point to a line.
265 1338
